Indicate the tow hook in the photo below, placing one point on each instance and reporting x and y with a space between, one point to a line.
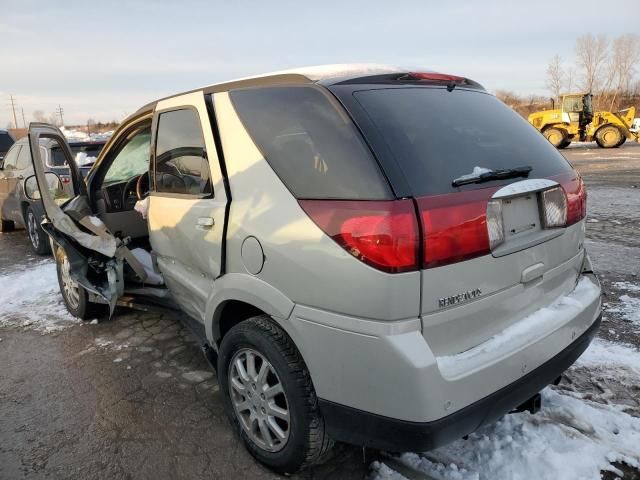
532 405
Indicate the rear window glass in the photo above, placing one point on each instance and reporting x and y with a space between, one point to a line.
85 155
310 143
437 136
5 142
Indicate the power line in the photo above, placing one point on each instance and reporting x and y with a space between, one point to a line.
24 123
13 107
59 112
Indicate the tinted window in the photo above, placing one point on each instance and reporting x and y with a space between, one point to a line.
5 142
132 160
181 161
84 155
437 136
310 143
11 159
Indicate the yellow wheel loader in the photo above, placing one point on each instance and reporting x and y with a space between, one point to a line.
577 122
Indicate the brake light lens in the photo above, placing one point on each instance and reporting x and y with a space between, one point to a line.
454 226
438 77
382 234
576 199
65 179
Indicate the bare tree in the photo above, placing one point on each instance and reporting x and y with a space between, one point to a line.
555 77
39 116
622 65
591 55
571 78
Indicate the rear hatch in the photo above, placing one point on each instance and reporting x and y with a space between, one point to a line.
492 250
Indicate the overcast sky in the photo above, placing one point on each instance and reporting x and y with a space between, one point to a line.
103 59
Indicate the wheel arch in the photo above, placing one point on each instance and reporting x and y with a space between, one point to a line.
240 296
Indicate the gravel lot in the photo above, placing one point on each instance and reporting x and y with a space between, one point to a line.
134 397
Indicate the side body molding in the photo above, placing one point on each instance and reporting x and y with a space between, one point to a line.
244 288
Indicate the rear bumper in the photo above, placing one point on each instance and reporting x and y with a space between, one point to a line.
350 425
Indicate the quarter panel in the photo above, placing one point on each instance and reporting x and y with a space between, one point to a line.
300 260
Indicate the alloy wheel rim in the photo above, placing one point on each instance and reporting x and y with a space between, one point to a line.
71 288
32 227
259 400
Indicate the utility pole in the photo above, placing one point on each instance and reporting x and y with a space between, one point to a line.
13 107
24 123
60 111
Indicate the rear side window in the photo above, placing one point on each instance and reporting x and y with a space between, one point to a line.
437 136
310 143
181 160
11 159
84 155
5 142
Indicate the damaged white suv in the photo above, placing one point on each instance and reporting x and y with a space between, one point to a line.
371 255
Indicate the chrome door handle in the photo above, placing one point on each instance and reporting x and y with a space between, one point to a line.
206 222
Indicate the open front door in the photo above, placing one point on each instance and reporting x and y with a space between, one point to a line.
95 256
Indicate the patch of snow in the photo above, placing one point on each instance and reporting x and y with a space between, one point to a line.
539 322
30 298
627 286
613 357
93 322
569 438
476 172
197 376
382 472
629 308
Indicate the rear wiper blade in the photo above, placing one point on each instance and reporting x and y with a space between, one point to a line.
488 175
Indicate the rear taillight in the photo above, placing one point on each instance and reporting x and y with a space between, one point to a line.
65 179
576 197
454 227
382 234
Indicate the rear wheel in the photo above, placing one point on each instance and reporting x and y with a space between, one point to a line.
556 136
269 396
6 225
39 239
621 142
609 136
75 297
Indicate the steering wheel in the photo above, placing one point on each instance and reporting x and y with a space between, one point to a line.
142 186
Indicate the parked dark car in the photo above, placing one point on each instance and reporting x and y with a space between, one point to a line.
6 141
15 208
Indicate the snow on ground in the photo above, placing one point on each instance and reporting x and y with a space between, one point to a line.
30 298
80 136
629 306
570 438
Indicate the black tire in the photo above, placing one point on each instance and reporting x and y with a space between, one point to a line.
6 225
308 442
39 239
621 142
609 136
81 308
565 144
556 136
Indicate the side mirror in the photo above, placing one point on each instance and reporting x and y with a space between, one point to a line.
54 187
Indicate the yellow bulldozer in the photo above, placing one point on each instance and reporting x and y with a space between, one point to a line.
577 122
